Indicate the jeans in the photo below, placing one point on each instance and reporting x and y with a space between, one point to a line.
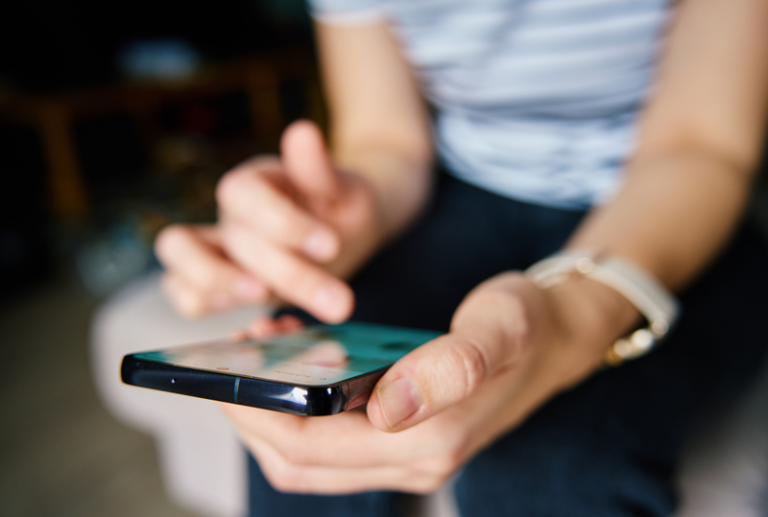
608 447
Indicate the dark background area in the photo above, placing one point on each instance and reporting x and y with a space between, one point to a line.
52 49
49 46
61 453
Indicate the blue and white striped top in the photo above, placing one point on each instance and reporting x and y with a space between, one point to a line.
537 99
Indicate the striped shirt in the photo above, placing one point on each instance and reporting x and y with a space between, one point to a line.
536 99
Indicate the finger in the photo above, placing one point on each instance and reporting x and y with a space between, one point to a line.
292 278
306 455
486 336
315 441
289 324
187 300
266 326
251 194
288 477
187 252
308 163
208 233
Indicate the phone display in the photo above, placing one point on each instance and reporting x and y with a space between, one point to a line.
322 370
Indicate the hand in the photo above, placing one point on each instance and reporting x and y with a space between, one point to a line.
200 277
290 228
511 347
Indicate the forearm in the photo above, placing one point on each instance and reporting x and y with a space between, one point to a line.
380 127
699 139
673 214
671 217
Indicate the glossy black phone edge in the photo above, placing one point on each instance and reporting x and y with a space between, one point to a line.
250 391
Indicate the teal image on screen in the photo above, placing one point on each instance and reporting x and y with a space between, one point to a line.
319 355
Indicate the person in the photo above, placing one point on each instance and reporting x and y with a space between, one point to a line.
622 131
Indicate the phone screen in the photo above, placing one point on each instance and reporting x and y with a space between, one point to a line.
317 356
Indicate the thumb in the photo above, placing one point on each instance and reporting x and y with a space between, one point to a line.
307 162
490 332
427 380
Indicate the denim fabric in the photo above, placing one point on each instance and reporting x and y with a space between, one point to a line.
605 448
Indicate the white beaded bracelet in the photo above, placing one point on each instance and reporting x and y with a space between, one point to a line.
654 302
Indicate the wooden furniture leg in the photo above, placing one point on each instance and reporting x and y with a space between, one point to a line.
65 182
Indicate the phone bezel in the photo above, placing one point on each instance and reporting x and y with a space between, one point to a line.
293 398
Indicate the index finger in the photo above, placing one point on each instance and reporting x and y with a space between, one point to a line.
193 253
293 278
258 194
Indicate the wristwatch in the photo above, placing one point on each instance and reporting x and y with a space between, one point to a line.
654 301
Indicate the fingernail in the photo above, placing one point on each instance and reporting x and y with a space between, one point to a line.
329 300
248 288
399 400
320 244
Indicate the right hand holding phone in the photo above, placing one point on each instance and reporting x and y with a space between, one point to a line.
291 228
511 347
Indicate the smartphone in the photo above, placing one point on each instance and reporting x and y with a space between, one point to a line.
322 370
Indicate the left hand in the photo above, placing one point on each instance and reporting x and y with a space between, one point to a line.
511 347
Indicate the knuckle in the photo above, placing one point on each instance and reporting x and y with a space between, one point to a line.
425 485
512 335
284 225
294 282
446 463
295 455
190 305
183 300
187 303
435 470
468 358
284 476
291 451
519 317
267 208
300 280
207 277
174 245
243 246
280 476
283 483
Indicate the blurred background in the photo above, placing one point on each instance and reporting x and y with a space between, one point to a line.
115 120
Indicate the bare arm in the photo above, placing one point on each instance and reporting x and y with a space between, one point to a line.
699 143
379 123
700 139
686 184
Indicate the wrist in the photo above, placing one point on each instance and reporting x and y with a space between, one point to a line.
651 299
400 184
592 313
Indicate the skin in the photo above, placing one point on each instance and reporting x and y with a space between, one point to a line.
295 227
